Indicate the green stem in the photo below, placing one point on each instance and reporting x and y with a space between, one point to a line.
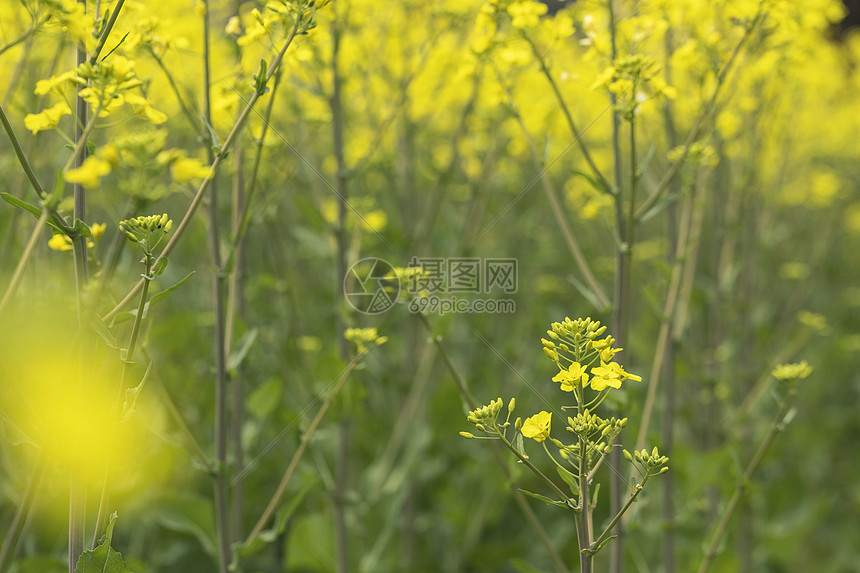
23 513
33 29
77 483
19 153
186 112
106 32
578 135
558 209
297 456
709 107
584 535
615 520
342 459
127 365
552 485
22 262
776 427
619 313
245 217
688 236
222 510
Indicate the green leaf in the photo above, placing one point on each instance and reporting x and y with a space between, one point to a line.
81 229
545 499
646 161
265 399
124 316
103 559
586 293
597 185
213 137
53 221
100 328
241 351
518 444
131 395
188 514
568 478
159 267
261 78
603 544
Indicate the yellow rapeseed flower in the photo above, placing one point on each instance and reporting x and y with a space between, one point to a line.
571 377
60 243
90 173
47 118
537 427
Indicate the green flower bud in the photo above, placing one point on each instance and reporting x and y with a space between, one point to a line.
467 435
512 404
480 427
627 456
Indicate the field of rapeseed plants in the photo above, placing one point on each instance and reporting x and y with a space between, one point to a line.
491 286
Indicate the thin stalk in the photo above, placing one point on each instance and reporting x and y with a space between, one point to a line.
668 418
186 112
127 364
176 415
22 262
23 513
578 135
235 299
77 484
709 107
584 522
619 314
342 458
297 456
558 210
216 164
33 29
688 240
222 510
106 32
615 520
776 427
244 219
19 153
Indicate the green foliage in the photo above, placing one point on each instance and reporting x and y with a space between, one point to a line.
488 130
103 559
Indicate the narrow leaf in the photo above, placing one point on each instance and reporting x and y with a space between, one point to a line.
131 395
544 498
241 351
52 221
568 478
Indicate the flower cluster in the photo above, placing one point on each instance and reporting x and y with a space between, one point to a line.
147 231
364 338
583 358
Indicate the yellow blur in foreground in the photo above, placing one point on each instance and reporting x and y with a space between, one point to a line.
59 402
